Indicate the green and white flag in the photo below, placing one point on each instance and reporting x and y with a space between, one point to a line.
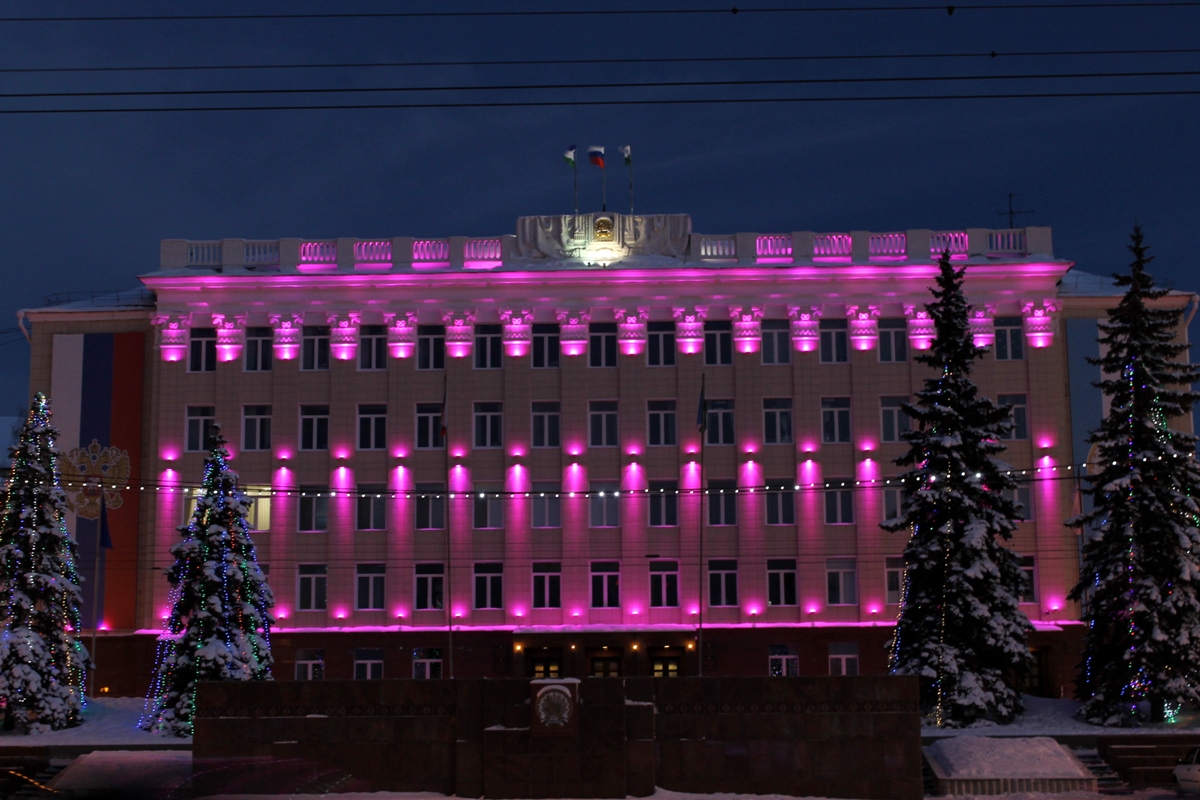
627 151
569 156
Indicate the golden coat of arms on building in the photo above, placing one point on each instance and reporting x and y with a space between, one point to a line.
88 471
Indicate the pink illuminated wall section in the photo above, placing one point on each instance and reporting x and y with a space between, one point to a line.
343 335
518 332
573 332
921 331
864 327
172 337
983 326
1039 323
806 324
231 336
631 330
460 333
689 329
747 328
402 334
288 330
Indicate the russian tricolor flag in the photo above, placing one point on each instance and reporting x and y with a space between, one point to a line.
596 156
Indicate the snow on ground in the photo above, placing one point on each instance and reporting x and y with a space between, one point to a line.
659 794
988 757
1048 717
134 771
106 721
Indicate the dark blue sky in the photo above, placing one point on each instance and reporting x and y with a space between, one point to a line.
85 199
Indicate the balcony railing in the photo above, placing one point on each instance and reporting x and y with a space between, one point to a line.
427 250
718 247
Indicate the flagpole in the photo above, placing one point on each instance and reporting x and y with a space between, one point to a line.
96 594
575 170
447 596
604 189
703 571
631 186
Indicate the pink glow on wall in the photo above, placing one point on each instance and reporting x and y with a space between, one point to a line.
340 613
460 478
1045 442
1054 604
983 327
873 608
458 349
868 470
747 328
634 478
576 479
574 348
172 338
691 476
343 479
753 609
573 331
864 327
632 347
812 607
288 328
751 474
921 331
689 329
170 453
806 323
399 613
283 453
1039 323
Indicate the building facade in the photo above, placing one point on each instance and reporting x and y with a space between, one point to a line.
487 456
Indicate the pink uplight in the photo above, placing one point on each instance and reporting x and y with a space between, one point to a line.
228 352
518 349
170 455
103 626
873 609
458 349
691 347
633 347
343 351
286 352
748 345
1045 443
812 608
399 452
341 614
402 349
399 613
574 348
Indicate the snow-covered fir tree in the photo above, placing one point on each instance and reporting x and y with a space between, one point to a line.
1141 552
959 629
220 623
42 661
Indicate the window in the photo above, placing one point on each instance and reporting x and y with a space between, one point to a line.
843 659
604 505
602 423
314 509
546 424
489 507
429 426
1010 342
893 340
1029 592
371 511
841 580
664 584
776 349
427 663
431 506
314 352
430 578
777 421
489 424
368 663
547 585
489 347
431 347
839 503
662 422
664 504
200 422
893 503
202 355
547 507
602 344
894 422
258 352
722 502
372 348
256 427
310 587
546 667
1022 498
1020 415
489 585
664 667
834 348
258 518
782 661
545 346
310 664
893 575
781 581
720 422
835 420
660 344
606 584
370 587
722 583
372 427
718 344
781 502
606 667
314 427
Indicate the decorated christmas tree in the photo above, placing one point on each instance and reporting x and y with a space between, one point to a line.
959 629
42 662
1141 552
220 623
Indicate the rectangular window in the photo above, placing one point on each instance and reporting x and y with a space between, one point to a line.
489 507
256 427
722 502
602 344
368 663
777 421
718 344
431 347
258 518
546 424
1029 593
781 502
314 509
372 427
314 427
369 594
310 664
722 582
427 663
893 503
893 421
310 587
776 347
1023 499
893 340
489 347
431 506
841 580
781 581
489 425
834 342
430 579
664 584
893 576
314 348
429 426
664 504
547 585
839 503
782 661
372 348
202 356
843 659
604 505
720 422
1010 339
606 584
660 344
200 422
489 585
547 506
661 418
259 350
664 667
1020 415
835 420
371 511
545 346
602 423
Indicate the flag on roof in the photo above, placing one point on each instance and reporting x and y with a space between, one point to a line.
596 156
569 156
627 151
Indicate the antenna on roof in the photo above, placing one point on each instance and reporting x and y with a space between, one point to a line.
1012 213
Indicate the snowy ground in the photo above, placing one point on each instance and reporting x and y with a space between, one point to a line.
663 794
1046 717
1004 757
107 721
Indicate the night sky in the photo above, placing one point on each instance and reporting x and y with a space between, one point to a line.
85 198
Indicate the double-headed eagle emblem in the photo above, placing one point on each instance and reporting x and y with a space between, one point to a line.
88 472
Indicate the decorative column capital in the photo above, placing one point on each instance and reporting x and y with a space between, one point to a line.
921 328
631 329
172 335
982 321
401 333
343 334
1039 322
460 332
864 326
288 330
518 331
231 335
689 328
573 330
806 327
747 328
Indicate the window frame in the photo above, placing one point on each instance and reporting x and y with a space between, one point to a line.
431 347
545 344
842 571
893 331
843 510
834 339
259 349
605 584
429 586
372 348
720 423
893 422
372 426
198 427
256 428
718 343
312 503
1019 416
776 342
662 428
312 587
488 586
722 583
489 347
369 586
487 508
488 425
778 425
660 344
1010 338
370 506
429 427
602 345
663 504
547 585
430 507
546 505
314 348
202 350
604 504
782 583
314 428
722 503
664 584
603 423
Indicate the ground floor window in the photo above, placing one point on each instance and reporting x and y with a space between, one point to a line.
782 661
843 658
427 663
546 667
665 667
368 664
310 665
606 667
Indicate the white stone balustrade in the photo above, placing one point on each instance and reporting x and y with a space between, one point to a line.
375 254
